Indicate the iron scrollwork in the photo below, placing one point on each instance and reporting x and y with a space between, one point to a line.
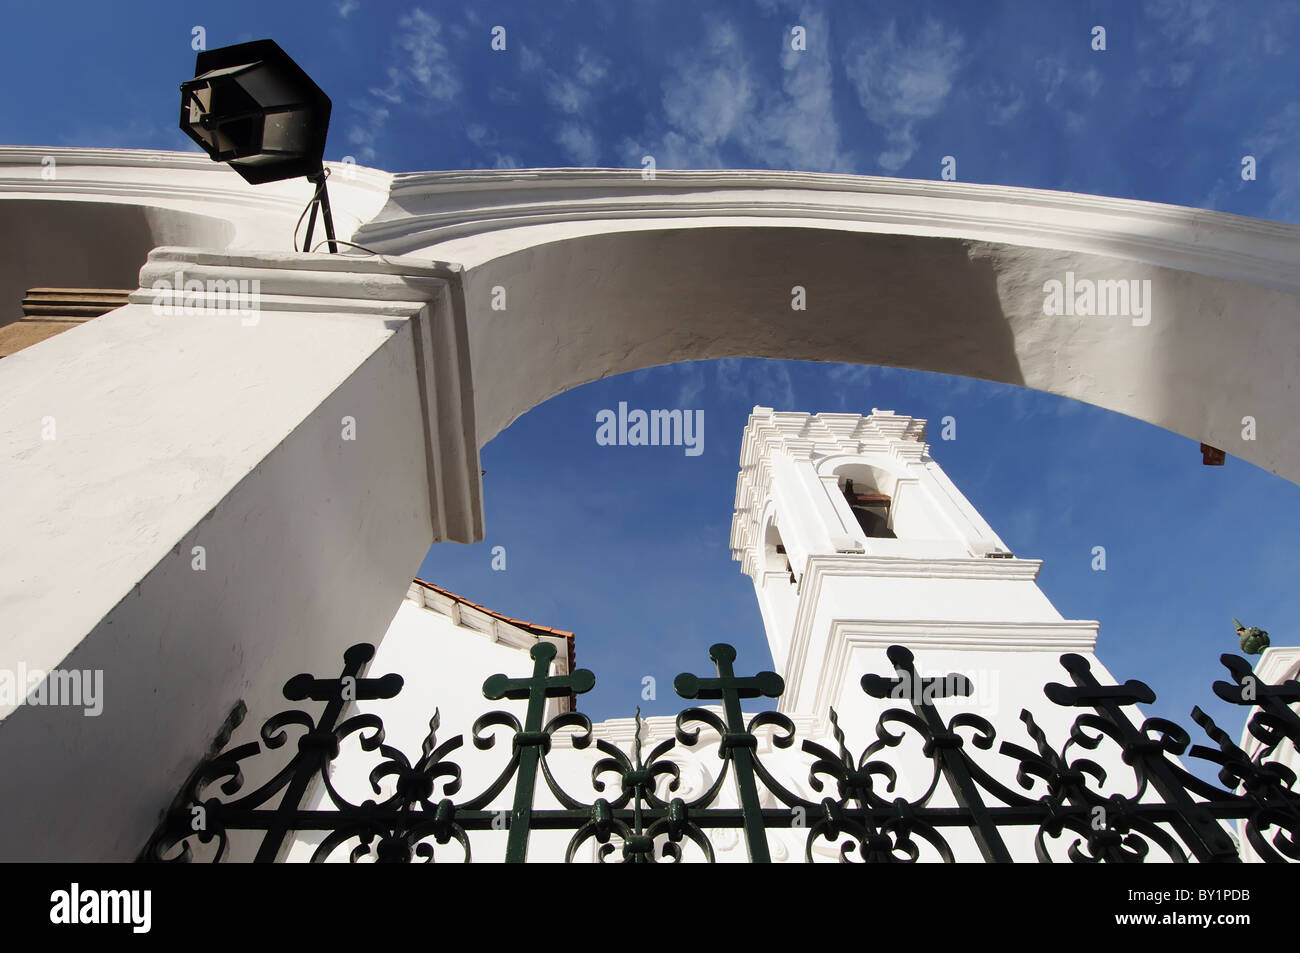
638 812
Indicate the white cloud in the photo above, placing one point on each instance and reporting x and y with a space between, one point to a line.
707 101
850 376
566 95
423 66
1090 80
800 128
574 95
365 134
530 60
901 83
1273 146
580 142
421 70
1166 75
765 382
1185 22
1004 101
427 65
347 7
592 69
692 384
1062 84
1051 73
1187 27
714 102
1278 144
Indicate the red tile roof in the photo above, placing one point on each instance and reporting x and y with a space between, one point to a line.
532 627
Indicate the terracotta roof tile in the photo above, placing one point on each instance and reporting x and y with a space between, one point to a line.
532 627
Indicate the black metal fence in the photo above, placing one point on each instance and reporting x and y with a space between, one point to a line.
1171 811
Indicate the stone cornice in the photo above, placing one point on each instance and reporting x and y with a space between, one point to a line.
821 568
855 565
429 207
369 284
1278 663
846 635
974 567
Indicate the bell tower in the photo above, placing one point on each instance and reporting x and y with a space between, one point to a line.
856 539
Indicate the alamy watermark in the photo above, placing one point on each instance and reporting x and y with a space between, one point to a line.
655 428
188 296
979 691
75 688
79 905
1086 298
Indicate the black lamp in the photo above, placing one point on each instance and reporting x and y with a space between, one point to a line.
254 108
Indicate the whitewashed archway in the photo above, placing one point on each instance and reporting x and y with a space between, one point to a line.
198 429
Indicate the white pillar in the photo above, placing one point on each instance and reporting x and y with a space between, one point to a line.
303 448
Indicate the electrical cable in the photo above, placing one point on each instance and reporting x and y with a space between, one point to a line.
339 241
314 199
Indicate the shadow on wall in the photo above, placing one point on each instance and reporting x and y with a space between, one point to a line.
56 244
587 308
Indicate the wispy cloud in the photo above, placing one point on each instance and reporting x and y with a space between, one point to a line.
767 382
421 75
489 154
1003 101
423 65
575 96
580 142
717 112
902 82
691 384
1273 146
800 128
364 134
1184 22
1184 31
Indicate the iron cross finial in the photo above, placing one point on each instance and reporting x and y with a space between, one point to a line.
533 740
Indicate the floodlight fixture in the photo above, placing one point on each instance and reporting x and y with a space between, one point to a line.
251 106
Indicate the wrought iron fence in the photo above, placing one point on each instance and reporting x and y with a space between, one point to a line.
1170 808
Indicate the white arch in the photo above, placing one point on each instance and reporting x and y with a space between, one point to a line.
234 435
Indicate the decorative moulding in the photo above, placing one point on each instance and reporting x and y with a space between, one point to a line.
1078 636
810 437
428 294
428 207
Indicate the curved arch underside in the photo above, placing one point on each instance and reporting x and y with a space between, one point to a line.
1209 352
606 272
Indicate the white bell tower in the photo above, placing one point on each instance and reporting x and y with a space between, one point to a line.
856 540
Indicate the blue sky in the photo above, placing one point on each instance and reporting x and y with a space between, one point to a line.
628 546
